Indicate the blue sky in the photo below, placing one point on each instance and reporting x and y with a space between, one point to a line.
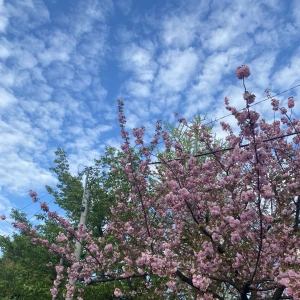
64 64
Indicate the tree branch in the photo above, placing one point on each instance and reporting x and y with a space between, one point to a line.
102 280
297 215
278 293
189 281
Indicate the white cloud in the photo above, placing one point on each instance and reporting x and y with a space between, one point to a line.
261 69
137 89
268 38
3 17
179 31
139 60
288 76
5 206
296 13
27 14
17 174
215 66
54 50
176 70
5 48
84 15
221 38
6 99
26 60
5 209
7 77
124 35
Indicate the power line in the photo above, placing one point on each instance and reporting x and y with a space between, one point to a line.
14 231
268 98
224 149
39 201
40 209
33 202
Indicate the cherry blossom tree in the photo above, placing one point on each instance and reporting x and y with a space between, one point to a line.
221 224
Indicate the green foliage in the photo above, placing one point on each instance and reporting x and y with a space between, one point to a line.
104 178
24 274
189 141
69 190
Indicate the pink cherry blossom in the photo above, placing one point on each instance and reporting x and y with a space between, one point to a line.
283 110
291 102
44 206
54 291
118 292
32 193
242 72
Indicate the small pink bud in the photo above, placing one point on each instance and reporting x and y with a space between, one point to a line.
275 104
53 291
118 292
44 206
283 110
32 193
291 102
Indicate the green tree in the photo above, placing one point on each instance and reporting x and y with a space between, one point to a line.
24 274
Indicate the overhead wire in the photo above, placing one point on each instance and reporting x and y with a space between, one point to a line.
24 208
224 149
256 103
225 116
14 231
268 98
34 202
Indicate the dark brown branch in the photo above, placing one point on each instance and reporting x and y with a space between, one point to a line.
185 279
297 215
102 280
189 281
225 280
203 230
219 247
278 293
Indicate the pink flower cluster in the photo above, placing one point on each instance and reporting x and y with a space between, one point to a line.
44 206
291 102
33 195
250 98
138 133
242 72
275 104
118 292
20 225
59 276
